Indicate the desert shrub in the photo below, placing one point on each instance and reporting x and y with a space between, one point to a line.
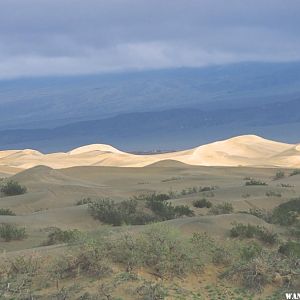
295 172
250 252
88 260
9 232
83 201
166 211
27 264
261 213
255 182
200 203
153 197
273 194
165 252
220 256
221 209
286 213
128 212
279 175
6 212
12 188
207 188
152 291
107 211
62 236
253 274
251 231
290 249
285 185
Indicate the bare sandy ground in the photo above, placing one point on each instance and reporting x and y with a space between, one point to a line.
53 193
247 150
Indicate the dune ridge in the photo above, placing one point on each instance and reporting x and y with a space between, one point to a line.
246 150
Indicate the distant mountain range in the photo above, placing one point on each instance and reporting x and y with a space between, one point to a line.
166 109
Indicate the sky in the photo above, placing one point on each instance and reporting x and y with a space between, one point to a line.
69 37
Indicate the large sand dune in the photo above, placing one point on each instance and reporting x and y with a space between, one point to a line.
247 150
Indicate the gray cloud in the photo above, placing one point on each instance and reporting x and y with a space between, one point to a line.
57 37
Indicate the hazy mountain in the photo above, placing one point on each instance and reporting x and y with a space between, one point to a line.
170 129
168 109
50 102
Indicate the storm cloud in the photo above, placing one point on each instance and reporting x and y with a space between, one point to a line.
60 37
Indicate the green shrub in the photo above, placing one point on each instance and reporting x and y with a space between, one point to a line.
221 209
163 250
273 194
279 175
295 172
58 236
201 203
83 201
128 211
109 212
165 210
250 252
261 213
290 249
6 212
287 213
255 182
12 188
251 231
9 232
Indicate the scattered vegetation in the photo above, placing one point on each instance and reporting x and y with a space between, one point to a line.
290 249
287 213
10 232
57 236
12 188
6 212
201 203
221 209
83 201
295 172
250 231
285 185
279 175
273 194
255 182
140 210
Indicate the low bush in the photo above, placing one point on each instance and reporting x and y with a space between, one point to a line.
253 274
201 203
6 212
290 249
262 214
250 231
287 213
10 232
109 212
295 172
12 188
221 209
273 194
83 201
166 211
149 208
255 182
279 175
58 236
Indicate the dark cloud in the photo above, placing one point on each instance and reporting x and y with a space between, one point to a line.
48 37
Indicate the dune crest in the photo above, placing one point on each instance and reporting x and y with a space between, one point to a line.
246 150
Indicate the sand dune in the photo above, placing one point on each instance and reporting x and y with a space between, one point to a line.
247 150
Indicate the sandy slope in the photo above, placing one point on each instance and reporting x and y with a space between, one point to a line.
247 150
